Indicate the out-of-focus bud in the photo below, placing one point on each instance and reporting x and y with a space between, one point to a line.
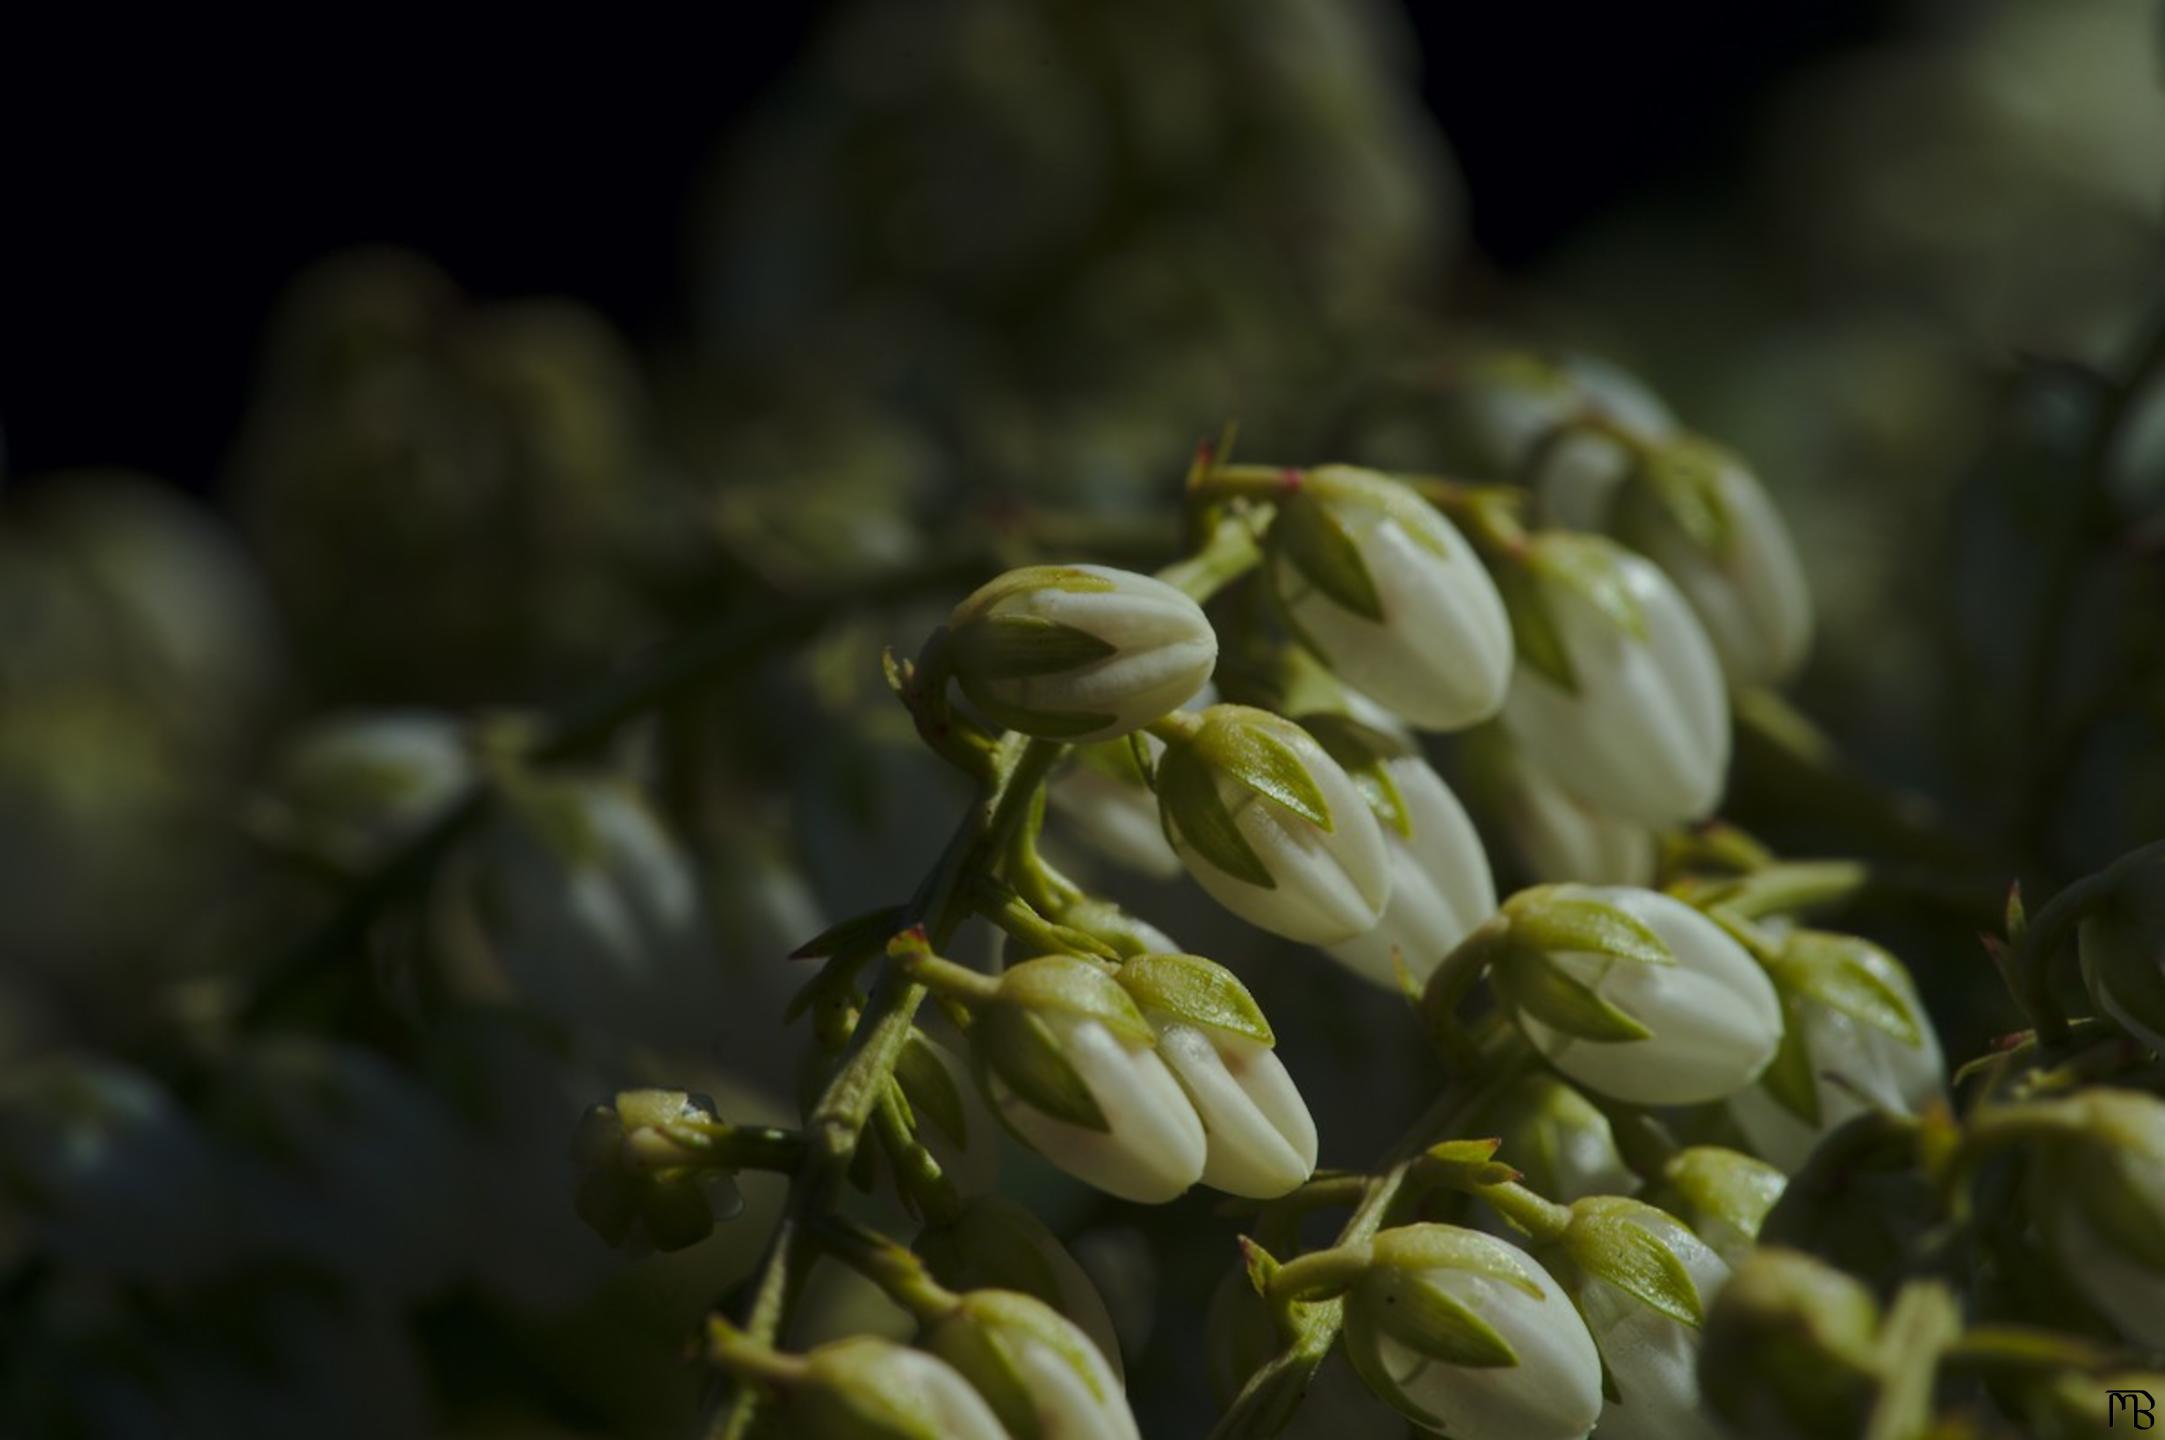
995 1244
1863 1201
1633 994
1561 1145
1072 1066
1241 1338
1464 1333
1105 796
1556 837
2084 1405
1788 1352
1724 1195
1040 1373
1698 512
1618 694
1523 416
1855 1036
1387 592
1262 1140
348 790
1273 828
1079 652
2097 1197
1642 1282
871 1389
1440 883
2122 944
646 1180
576 899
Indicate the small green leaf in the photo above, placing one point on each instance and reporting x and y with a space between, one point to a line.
1788 1076
1023 1051
870 929
1193 812
1069 578
931 1089
1539 643
1530 981
1607 1240
1045 724
1557 922
1310 536
977 1352
1016 647
1263 752
1427 1319
1431 1246
1851 975
1197 991
1589 566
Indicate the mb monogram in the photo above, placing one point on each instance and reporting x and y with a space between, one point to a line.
2137 1405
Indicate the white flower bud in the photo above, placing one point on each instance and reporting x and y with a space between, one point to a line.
1647 1330
1079 652
1855 1038
1521 410
1617 695
1440 882
1273 828
1697 512
1635 995
869 1389
349 789
1071 1066
1386 592
1558 838
1464 1334
996 1244
1262 1139
1040 1373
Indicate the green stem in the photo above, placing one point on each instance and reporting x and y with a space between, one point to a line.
900 1274
1924 1322
1541 1218
1227 553
917 1174
1274 1391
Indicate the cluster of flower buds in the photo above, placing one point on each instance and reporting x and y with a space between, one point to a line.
1143 1080
1634 995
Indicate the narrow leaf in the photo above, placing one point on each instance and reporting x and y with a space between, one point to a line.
1189 803
1192 989
1532 982
1015 647
930 1088
1270 765
1636 1261
1022 1050
1564 924
1851 975
1429 1320
1539 643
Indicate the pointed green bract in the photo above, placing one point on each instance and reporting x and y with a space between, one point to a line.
1262 752
1022 1050
1030 577
1016 647
1309 536
1196 991
1607 1241
1587 565
930 1088
1788 1076
1048 724
1553 920
1452 1247
1360 751
1428 1319
1848 974
1193 811
1539 644
1530 981
1067 985
1683 477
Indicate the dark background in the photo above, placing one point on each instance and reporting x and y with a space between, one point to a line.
159 190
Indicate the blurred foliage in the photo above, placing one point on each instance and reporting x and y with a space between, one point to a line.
980 273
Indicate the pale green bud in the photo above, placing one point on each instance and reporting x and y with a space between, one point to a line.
1040 1373
868 1389
1789 1350
1724 1195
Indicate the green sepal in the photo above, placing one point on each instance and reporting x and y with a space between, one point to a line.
1309 536
1045 724
1191 810
989 1366
1070 986
1430 1321
1712 1180
1682 476
1366 1356
1452 1247
929 1088
1352 485
1262 752
1531 981
1554 920
1540 645
1360 751
1022 1050
1197 992
867 931
1029 577
980 1338
1850 975
1589 566
1017 647
1607 1241
1788 1076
